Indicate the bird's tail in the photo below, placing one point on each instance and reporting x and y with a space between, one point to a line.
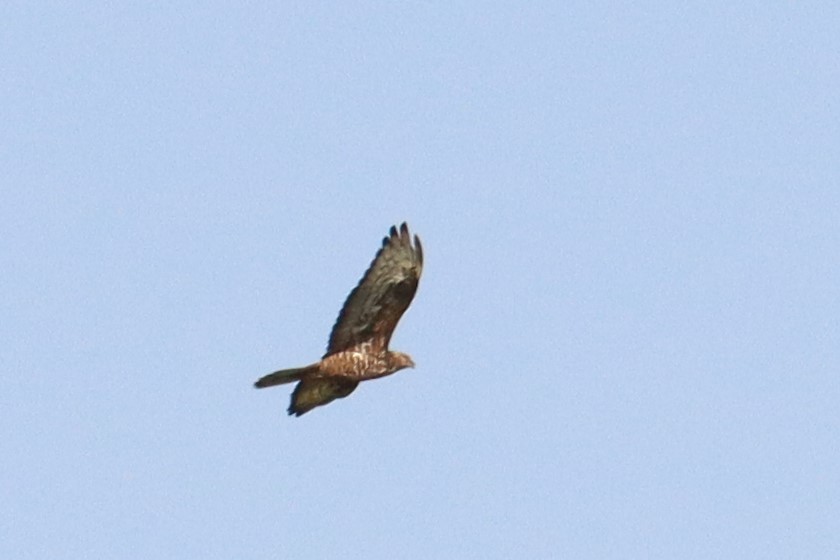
284 376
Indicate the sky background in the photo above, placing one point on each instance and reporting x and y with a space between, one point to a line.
627 334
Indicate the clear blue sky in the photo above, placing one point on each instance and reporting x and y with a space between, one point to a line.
627 335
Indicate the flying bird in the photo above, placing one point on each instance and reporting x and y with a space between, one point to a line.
358 345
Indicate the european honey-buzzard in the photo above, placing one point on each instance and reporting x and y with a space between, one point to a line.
358 346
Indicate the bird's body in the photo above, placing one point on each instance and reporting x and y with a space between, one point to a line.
358 346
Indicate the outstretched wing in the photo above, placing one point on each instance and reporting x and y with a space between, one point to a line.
374 307
318 391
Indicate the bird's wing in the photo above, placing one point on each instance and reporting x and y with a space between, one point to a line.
318 391
374 307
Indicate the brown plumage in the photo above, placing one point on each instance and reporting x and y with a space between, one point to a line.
358 346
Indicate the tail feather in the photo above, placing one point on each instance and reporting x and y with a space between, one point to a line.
284 376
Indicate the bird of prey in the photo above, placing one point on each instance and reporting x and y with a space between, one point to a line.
358 345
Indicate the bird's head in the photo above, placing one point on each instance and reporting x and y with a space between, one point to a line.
399 361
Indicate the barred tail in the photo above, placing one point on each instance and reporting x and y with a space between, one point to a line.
284 376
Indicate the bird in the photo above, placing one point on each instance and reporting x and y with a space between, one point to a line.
358 345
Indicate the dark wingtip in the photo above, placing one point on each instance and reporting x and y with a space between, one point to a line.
392 234
397 235
296 411
403 236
